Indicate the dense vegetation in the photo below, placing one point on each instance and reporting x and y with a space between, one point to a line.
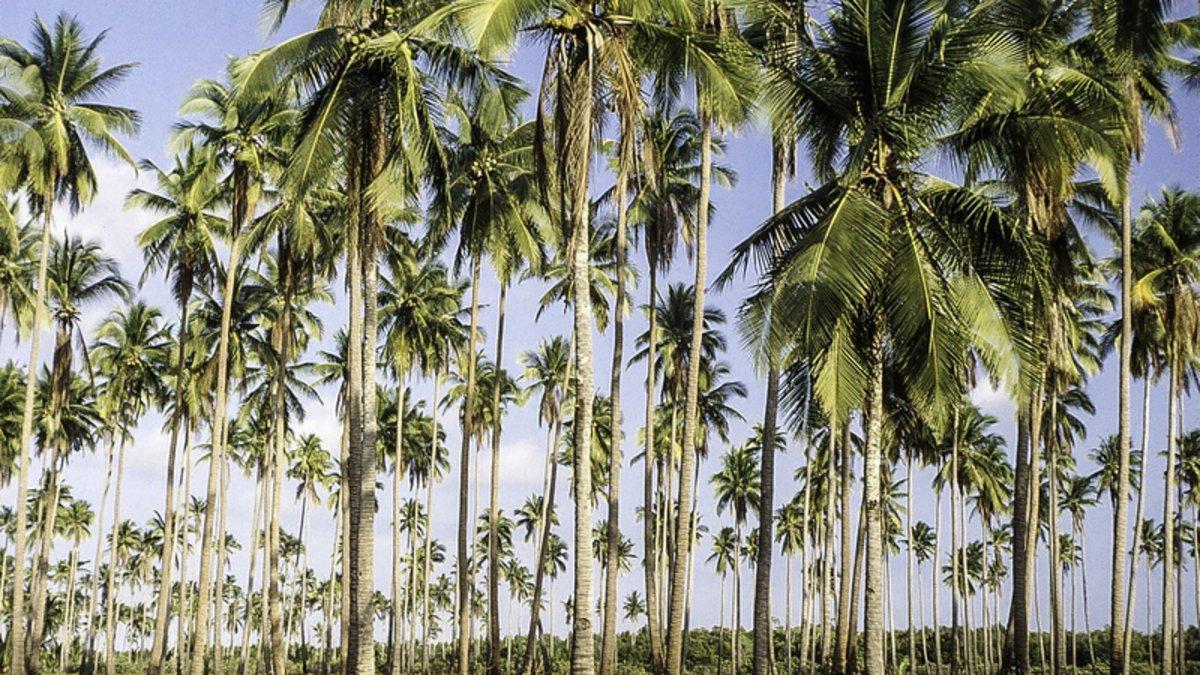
970 218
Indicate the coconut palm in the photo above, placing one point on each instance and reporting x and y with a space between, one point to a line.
736 487
58 115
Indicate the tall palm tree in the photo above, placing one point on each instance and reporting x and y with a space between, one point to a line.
57 108
180 244
1132 43
79 275
312 468
1167 264
132 347
240 133
388 146
76 523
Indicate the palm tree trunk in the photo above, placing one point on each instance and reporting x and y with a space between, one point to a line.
856 584
688 446
362 496
1169 599
185 614
94 591
433 453
1016 652
608 641
845 629
255 529
343 515
787 611
912 564
956 596
539 573
464 515
67 634
1118 656
303 599
162 604
829 610
219 592
16 634
650 542
1057 630
112 590
394 654
766 509
278 460
494 500
937 557
220 411
874 510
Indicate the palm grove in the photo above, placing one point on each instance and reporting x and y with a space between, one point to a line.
385 158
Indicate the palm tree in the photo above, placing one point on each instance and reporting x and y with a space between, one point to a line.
79 275
181 245
238 132
76 523
548 372
790 530
725 555
58 115
736 486
132 346
1132 43
1167 266
389 47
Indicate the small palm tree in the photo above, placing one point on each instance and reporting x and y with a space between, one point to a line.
737 487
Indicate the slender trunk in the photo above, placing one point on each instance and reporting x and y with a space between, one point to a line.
539 573
343 543
845 629
219 592
956 639
67 635
112 591
608 642
185 614
937 557
766 509
874 509
1118 659
688 447
362 496
912 564
1016 653
162 604
356 410
787 611
255 529
278 460
1169 604
303 569
433 453
220 411
394 655
462 606
16 634
829 611
581 93
94 585
1087 622
1057 630
856 583
494 499
650 542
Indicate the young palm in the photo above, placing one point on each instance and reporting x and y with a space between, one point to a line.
57 108
180 244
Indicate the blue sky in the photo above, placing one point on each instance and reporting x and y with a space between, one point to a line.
176 43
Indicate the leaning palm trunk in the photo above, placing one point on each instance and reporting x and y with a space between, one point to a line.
67 632
608 643
220 412
494 500
16 634
277 459
219 591
111 589
912 565
162 605
937 555
462 606
1057 630
688 446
